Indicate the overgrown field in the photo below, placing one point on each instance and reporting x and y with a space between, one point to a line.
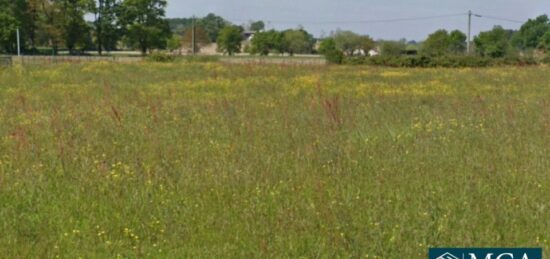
242 161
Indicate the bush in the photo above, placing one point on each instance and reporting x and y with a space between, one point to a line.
441 61
546 60
160 57
202 58
334 56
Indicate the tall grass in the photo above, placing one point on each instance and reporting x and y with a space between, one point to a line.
206 160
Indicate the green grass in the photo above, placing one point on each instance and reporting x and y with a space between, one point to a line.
205 160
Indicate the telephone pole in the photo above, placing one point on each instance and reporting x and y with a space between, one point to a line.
18 43
469 32
469 43
193 36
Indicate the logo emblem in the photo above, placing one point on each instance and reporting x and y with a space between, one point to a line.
485 253
447 256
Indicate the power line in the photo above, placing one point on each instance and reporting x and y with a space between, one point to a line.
393 20
363 21
500 19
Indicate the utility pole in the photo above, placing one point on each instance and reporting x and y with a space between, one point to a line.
18 43
193 36
469 45
469 32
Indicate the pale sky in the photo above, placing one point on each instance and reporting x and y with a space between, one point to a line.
324 16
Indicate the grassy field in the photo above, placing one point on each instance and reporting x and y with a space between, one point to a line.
206 160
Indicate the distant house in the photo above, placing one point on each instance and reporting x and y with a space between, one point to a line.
248 35
374 53
247 40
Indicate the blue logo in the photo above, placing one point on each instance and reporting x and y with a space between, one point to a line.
485 253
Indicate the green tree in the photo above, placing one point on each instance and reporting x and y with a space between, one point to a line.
49 23
298 41
544 42
329 50
257 26
8 28
436 44
531 32
107 33
174 43
144 23
213 25
367 44
441 43
327 45
350 42
269 41
201 38
393 48
457 42
229 40
20 14
493 43
75 29
347 41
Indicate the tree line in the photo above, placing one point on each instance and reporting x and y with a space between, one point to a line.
56 24
531 40
107 25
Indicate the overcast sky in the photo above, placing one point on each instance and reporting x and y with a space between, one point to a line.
324 16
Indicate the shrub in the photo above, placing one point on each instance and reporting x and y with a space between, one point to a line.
160 57
440 61
203 59
334 56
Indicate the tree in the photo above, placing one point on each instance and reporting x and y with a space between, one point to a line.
107 33
441 43
393 48
49 23
174 43
213 25
8 28
457 43
75 30
531 32
350 42
144 24
298 41
329 50
544 42
327 45
367 44
229 40
257 26
268 41
493 43
18 13
436 44
347 41
201 38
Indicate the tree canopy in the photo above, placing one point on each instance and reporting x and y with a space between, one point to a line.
350 42
267 42
298 41
442 42
531 33
493 43
143 21
229 40
257 26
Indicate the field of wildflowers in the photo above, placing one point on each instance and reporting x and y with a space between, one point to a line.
206 160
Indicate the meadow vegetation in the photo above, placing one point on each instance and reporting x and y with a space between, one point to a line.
206 160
